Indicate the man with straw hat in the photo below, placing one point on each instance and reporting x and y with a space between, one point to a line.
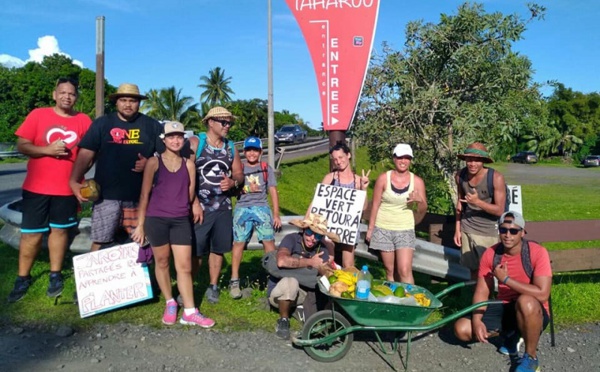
303 249
477 211
119 143
219 172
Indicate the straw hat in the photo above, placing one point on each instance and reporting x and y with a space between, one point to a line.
476 150
317 224
127 90
218 112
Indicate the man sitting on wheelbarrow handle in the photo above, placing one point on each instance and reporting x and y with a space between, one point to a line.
524 276
300 259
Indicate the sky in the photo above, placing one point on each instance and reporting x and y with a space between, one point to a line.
159 43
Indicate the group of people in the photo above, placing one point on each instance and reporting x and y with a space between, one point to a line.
177 194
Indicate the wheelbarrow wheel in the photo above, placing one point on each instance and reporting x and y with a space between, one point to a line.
320 326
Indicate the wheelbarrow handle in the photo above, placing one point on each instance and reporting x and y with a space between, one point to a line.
454 287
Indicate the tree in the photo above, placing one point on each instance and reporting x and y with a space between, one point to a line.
455 82
168 104
216 87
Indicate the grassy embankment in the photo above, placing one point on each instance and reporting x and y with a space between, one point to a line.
574 295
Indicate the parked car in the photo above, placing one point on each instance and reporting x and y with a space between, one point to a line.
591 161
290 133
525 157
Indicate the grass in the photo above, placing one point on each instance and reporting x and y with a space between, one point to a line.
574 294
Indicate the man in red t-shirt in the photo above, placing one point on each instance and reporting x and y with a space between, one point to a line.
49 136
524 308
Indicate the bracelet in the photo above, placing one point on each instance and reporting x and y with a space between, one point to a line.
505 280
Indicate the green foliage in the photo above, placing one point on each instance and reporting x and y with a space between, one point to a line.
455 82
216 87
26 88
168 104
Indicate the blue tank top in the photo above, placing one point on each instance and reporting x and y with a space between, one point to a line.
170 194
211 165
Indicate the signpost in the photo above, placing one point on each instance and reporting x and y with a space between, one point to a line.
342 208
339 35
110 278
516 200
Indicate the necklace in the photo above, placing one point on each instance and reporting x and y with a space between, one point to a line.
171 163
213 142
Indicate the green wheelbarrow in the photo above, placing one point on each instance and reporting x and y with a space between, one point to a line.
328 334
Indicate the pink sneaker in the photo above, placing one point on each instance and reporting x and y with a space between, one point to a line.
170 314
197 319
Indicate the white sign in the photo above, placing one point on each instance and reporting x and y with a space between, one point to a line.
342 208
110 278
515 197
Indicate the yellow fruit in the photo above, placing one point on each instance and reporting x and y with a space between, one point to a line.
384 289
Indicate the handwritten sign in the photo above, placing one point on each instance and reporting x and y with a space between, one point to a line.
342 208
339 35
110 278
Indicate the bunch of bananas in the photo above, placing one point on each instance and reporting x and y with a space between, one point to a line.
343 284
422 299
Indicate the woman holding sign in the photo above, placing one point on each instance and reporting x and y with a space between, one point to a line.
343 176
164 218
399 203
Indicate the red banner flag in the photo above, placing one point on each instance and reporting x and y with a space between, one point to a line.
339 35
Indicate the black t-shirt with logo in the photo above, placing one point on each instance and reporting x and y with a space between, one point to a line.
117 144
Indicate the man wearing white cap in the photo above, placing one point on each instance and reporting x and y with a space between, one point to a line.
119 143
219 173
522 269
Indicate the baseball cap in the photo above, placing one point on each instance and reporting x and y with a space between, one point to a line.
253 142
513 216
403 149
173 127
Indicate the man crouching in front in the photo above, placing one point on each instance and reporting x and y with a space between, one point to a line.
524 276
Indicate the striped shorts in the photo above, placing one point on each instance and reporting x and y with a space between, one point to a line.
109 215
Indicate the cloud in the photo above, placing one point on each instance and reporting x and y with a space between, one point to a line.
47 46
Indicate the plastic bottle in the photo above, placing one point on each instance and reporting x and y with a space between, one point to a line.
363 283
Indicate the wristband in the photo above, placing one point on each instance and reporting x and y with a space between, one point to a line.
505 280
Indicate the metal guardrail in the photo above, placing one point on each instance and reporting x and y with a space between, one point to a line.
429 258
10 154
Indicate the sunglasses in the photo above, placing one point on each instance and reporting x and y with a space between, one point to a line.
513 231
225 123
309 232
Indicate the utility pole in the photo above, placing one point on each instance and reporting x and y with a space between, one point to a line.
270 114
99 66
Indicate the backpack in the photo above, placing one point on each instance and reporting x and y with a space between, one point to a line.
525 257
490 185
202 144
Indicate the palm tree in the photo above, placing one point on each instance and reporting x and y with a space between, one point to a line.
216 87
168 104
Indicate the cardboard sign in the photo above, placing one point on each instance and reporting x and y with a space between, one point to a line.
110 278
516 201
342 208
339 35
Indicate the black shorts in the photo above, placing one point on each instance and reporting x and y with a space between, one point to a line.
503 317
168 230
42 212
215 234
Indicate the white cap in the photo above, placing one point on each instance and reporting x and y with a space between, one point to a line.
403 149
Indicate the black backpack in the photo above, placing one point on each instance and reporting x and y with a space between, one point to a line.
525 257
490 185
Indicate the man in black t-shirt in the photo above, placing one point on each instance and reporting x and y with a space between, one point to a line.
119 144
299 250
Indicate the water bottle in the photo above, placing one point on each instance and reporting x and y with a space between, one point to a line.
363 283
